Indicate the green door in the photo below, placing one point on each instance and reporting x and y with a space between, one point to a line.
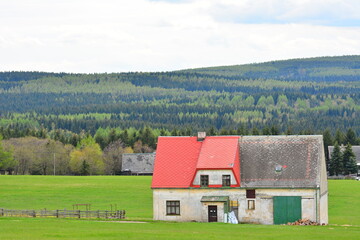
286 209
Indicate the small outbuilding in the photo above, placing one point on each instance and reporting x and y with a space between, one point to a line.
138 163
258 179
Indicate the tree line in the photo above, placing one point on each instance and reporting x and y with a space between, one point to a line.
61 152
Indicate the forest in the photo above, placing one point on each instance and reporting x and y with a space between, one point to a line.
298 96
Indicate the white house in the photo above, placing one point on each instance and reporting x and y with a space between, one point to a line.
262 179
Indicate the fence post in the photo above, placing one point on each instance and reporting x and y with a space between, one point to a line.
2 212
34 213
57 213
79 214
98 214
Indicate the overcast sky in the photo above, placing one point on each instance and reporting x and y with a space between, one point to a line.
86 36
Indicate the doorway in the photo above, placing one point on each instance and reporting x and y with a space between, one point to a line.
212 213
286 209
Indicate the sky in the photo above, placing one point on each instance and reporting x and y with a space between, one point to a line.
95 36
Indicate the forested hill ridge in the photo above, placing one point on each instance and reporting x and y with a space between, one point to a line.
346 68
299 95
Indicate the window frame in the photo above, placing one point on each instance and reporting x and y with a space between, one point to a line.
251 204
173 207
250 193
204 180
226 180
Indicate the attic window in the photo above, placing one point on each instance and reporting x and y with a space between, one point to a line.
204 180
226 180
278 168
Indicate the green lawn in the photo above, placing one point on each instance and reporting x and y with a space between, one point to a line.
79 229
134 195
344 202
131 193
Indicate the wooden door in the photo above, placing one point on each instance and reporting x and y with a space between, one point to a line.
212 212
286 209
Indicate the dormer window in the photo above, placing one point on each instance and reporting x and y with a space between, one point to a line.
204 180
278 168
226 180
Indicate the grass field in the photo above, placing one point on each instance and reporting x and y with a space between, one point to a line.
134 195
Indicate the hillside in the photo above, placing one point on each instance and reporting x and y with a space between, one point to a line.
300 94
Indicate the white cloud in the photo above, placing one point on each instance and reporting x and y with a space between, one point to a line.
141 35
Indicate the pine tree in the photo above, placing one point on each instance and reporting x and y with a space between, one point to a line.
212 131
274 130
124 136
84 168
336 164
349 160
113 136
266 131
350 137
148 137
174 132
328 141
339 137
289 131
255 131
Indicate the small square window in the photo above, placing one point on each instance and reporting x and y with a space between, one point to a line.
251 204
226 180
204 180
172 207
250 193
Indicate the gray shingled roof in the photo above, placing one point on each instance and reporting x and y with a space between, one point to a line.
356 150
138 162
280 161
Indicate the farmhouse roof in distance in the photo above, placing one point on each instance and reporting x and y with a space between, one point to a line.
141 163
356 150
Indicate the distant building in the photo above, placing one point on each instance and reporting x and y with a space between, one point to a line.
356 150
138 163
259 179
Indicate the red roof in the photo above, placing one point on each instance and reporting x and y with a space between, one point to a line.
178 159
218 152
175 162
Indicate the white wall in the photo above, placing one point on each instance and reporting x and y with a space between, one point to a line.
192 209
215 176
324 219
263 212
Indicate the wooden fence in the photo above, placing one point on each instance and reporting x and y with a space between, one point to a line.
118 214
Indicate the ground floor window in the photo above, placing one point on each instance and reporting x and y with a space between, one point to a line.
251 204
172 207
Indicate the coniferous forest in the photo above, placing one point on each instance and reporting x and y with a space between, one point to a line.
299 96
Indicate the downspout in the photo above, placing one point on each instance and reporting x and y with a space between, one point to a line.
316 197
